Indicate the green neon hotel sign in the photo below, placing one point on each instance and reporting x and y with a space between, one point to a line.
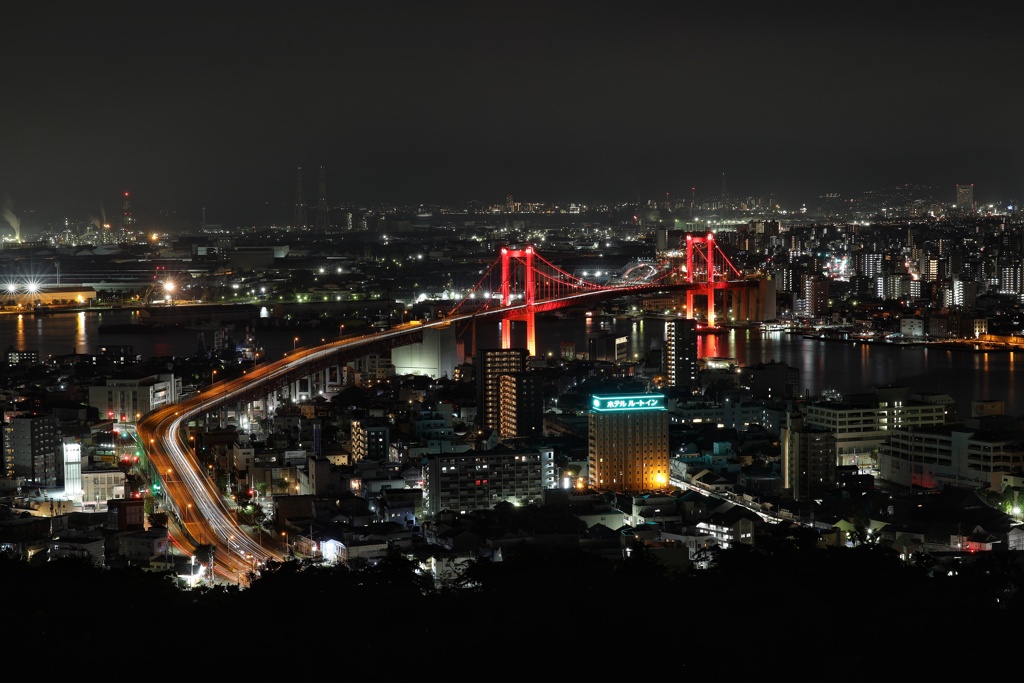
627 402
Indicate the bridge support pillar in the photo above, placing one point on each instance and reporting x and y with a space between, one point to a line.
709 296
531 332
739 303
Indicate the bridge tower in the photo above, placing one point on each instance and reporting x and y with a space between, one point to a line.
709 275
529 298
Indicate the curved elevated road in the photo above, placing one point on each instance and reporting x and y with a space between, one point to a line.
204 514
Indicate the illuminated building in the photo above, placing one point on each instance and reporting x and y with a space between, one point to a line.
862 423
371 439
72 450
433 357
126 399
628 442
978 453
965 198
25 357
491 364
521 395
478 479
808 459
681 353
32 450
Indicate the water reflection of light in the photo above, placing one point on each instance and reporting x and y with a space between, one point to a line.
1010 397
81 334
19 333
707 346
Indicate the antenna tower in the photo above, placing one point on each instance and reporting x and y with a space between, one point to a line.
321 206
300 202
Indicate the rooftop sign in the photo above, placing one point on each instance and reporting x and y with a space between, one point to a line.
627 402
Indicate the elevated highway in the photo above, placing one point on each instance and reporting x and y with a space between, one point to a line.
207 517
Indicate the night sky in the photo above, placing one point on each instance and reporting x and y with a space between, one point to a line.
217 105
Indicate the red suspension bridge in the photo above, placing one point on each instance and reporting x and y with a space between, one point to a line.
522 283
518 285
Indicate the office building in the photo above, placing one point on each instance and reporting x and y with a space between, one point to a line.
435 356
971 454
127 399
609 348
628 442
862 423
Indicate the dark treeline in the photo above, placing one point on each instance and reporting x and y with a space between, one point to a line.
751 612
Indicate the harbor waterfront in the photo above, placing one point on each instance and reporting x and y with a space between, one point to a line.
847 367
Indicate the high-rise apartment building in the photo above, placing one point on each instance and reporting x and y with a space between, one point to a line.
965 198
808 458
628 442
681 353
491 364
869 264
371 440
521 395
815 296
1011 279
33 451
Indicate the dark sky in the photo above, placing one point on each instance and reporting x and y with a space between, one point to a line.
217 105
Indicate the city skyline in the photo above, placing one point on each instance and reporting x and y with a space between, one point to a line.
210 113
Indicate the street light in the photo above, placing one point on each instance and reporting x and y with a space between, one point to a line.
294 342
186 512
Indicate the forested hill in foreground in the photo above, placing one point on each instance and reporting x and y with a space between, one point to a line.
752 612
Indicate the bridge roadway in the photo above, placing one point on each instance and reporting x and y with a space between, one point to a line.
206 517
